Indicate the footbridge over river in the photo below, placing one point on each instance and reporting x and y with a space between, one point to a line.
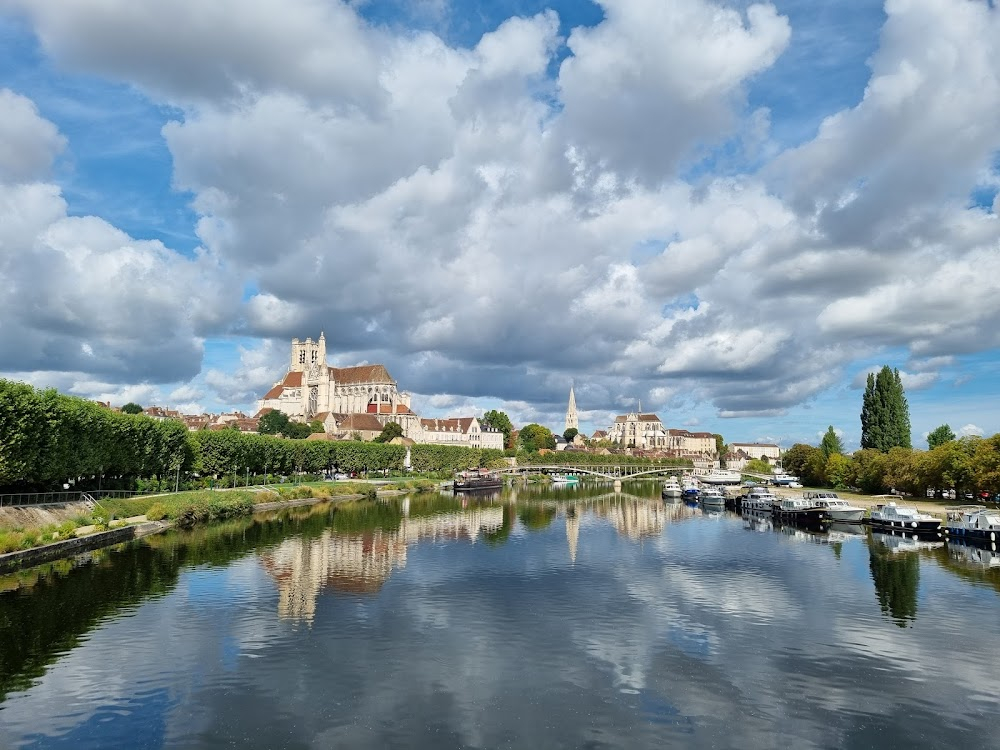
606 471
613 471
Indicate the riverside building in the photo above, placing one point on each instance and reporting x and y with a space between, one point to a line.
312 390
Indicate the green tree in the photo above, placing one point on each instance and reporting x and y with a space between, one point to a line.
571 432
273 423
316 426
939 436
498 420
297 430
390 431
794 459
831 443
131 408
885 413
534 437
814 471
868 470
838 471
758 466
721 449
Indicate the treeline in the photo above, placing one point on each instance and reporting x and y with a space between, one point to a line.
965 465
48 439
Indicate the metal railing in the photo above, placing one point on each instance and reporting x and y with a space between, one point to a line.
18 499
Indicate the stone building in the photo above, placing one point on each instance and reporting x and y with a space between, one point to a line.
635 430
460 431
770 451
361 399
312 389
694 445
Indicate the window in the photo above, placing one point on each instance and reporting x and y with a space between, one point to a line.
302 357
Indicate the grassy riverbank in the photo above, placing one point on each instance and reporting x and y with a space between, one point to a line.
197 506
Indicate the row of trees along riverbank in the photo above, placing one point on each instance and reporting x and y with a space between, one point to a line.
48 439
965 465
887 459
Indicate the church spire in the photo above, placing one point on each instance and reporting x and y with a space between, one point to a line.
572 421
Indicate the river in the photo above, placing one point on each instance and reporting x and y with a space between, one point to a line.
544 618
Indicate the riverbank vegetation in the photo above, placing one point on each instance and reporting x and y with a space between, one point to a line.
49 440
968 464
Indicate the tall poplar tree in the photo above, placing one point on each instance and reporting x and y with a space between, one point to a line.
885 414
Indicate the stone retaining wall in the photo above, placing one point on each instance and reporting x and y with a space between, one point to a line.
69 547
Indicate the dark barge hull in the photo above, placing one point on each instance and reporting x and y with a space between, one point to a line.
922 527
809 517
474 485
971 536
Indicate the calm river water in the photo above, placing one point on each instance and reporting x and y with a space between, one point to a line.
546 619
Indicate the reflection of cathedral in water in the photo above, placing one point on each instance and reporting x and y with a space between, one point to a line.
361 563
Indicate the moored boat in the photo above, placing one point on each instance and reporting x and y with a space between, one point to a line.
799 510
477 479
712 499
892 517
973 523
721 476
760 500
836 509
690 487
671 488
564 478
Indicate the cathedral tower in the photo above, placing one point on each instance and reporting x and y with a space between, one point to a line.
571 418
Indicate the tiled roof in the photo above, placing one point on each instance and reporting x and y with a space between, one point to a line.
263 411
292 380
360 422
387 409
648 418
598 434
274 392
360 374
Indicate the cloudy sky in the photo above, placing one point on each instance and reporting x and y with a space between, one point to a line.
730 211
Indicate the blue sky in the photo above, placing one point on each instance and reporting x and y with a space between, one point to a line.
728 211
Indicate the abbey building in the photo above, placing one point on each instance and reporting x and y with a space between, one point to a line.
344 398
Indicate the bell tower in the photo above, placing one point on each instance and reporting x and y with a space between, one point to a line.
572 421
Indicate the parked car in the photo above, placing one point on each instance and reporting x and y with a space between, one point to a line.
340 475
795 485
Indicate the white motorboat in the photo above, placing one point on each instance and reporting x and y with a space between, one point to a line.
712 499
721 476
973 523
784 480
892 517
836 509
564 479
672 488
760 500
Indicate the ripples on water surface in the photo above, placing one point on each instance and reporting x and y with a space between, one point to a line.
572 618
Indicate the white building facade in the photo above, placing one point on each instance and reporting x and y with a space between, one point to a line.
312 390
